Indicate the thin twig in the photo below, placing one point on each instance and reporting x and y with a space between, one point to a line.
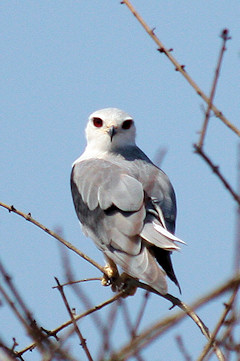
79 281
74 322
141 312
179 67
36 333
55 331
29 218
9 352
107 330
162 326
237 246
228 307
225 37
182 348
82 296
23 315
216 170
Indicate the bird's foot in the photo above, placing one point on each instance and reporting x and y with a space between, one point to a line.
125 284
118 283
110 274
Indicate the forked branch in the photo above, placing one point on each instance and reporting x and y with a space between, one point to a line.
181 68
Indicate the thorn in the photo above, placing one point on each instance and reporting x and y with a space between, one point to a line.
181 66
152 31
13 209
83 343
50 333
14 344
170 308
161 50
215 169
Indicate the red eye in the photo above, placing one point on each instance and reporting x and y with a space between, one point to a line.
127 124
97 122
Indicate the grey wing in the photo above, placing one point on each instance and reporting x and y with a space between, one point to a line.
108 202
127 216
160 219
110 205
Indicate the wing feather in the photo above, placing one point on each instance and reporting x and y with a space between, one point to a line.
129 209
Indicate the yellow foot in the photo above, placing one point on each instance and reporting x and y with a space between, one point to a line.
124 283
110 273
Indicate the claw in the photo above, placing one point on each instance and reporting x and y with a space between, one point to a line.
110 273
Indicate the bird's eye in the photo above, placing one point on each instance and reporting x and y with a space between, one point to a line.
127 124
97 122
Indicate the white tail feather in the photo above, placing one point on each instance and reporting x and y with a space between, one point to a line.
167 234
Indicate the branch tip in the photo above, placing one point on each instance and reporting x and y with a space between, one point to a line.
225 35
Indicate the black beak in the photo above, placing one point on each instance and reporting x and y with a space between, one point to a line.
112 131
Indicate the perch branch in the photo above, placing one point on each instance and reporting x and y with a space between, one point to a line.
159 328
29 218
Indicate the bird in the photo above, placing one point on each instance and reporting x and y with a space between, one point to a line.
124 202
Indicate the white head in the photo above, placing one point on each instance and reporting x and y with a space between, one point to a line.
110 128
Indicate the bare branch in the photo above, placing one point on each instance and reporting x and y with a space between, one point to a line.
237 246
77 330
182 348
225 38
55 331
228 307
164 325
179 67
29 218
216 170
141 312
79 281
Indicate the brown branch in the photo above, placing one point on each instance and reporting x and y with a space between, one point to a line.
216 170
237 246
141 312
74 322
9 352
212 339
162 326
106 330
179 67
182 348
79 281
23 315
29 218
55 331
225 37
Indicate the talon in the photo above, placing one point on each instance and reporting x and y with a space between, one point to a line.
110 273
105 281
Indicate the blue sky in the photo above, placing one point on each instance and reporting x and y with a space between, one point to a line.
60 61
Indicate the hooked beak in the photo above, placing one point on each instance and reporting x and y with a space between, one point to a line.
112 131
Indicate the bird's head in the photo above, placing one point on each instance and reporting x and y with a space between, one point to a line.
110 129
